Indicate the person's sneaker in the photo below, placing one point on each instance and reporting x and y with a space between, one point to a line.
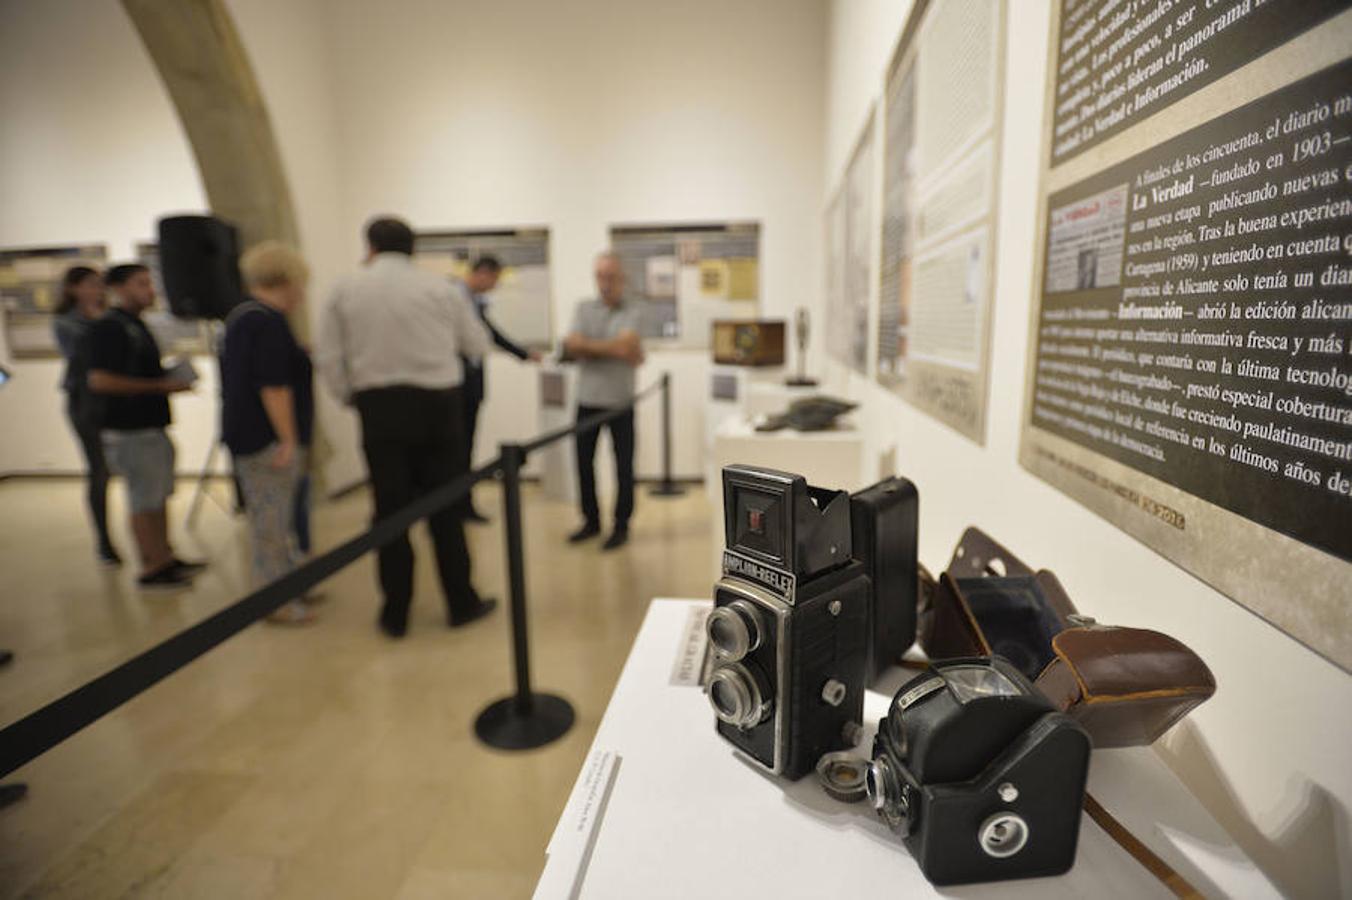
618 538
188 567
109 556
12 793
293 613
167 579
585 533
484 608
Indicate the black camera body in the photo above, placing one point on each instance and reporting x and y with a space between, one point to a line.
979 774
790 625
884 524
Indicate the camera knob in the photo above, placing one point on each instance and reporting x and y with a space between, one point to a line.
734 630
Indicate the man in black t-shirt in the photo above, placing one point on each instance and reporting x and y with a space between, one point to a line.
133 390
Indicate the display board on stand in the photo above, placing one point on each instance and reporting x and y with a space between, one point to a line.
686 276
521 304
30 289
174 335
941 156
1189 372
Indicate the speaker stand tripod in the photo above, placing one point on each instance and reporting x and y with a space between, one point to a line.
215 336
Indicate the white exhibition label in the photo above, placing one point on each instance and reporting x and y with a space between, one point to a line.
689 664
570 848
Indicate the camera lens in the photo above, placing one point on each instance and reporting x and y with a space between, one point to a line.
736 696
888 796
734 630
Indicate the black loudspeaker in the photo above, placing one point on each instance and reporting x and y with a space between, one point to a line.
199 265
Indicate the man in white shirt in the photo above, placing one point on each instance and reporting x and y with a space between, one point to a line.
390 344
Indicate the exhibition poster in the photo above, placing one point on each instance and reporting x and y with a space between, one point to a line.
684 276
851 317
1189 374
836 328
30 288
521 303
941 151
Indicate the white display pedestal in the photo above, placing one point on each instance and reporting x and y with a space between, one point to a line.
830 459
558 471
756 390
664 808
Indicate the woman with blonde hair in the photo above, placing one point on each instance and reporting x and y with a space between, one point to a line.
267 411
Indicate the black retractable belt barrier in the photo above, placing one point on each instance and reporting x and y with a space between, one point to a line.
666 487
44 728
526 719
522 721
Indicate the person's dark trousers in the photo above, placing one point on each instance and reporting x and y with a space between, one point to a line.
413 444
622 437
82 420
472 395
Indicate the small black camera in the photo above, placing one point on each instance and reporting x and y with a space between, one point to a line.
790 625
979 774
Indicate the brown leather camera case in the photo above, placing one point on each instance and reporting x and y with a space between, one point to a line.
1126 686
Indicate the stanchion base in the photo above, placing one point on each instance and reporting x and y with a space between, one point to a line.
666 489
501 725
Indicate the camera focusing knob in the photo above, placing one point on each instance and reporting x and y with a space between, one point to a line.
843 776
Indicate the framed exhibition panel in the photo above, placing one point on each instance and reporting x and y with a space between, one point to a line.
1189 376
189 337
835 329
850 260
942 107
521 303
30 289
687 275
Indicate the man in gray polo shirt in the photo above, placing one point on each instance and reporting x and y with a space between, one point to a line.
604 341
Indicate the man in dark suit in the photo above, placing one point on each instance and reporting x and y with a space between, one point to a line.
483 277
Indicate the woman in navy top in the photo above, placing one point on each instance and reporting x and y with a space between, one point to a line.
267 409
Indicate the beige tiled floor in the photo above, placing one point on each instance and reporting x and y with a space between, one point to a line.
324 762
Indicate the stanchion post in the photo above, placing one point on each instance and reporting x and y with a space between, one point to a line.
667 487
526 719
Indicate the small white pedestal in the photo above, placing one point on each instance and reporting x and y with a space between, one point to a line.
558 475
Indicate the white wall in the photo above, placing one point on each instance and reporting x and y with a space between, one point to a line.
91 151
456 115
1269 753
290 47
581 114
